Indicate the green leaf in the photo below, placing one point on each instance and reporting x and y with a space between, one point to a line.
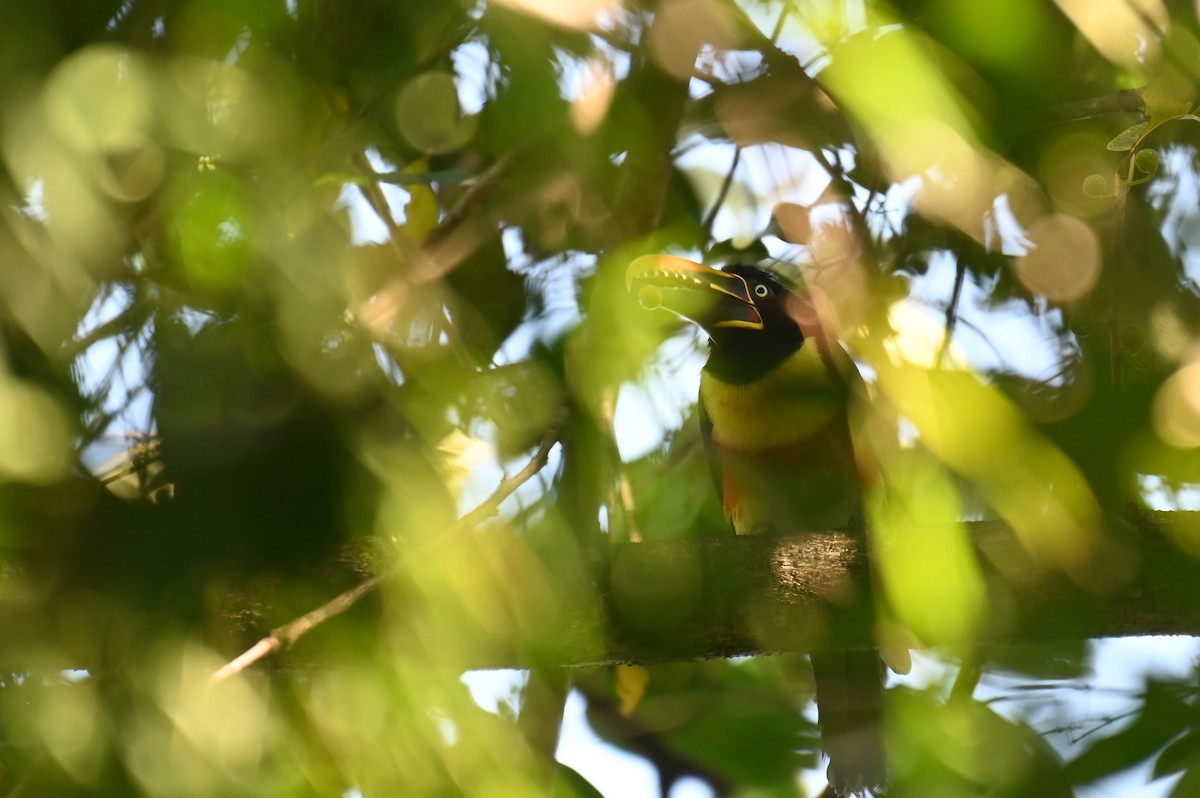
572 785
1128 138
755 733
1183 754
1168 96
1188 786
964 747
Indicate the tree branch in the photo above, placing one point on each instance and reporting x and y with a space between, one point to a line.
685 600
289 633
726 183
671 763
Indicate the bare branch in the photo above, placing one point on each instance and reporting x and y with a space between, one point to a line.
288 634
491 505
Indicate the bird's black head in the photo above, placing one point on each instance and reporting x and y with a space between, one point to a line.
749 314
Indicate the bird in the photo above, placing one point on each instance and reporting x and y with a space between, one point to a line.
773 410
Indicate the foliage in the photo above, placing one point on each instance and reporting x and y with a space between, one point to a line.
287 286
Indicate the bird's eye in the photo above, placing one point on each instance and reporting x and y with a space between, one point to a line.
761 290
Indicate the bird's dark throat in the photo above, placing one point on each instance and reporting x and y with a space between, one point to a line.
740 357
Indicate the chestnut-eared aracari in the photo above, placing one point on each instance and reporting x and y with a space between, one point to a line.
773 415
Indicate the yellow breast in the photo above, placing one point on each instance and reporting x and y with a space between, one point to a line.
789 404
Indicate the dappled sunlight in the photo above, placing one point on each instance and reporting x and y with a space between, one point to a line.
922 128
683 27
220 731
982 436
1120 29
323 379
920 338
931 578
35 433
595 95
582 14
66 718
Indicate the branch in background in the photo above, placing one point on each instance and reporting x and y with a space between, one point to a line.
1126 101
441 251
289 633
405 248
507 485
723 193
645 176
473 199
960 274
671 763
541 716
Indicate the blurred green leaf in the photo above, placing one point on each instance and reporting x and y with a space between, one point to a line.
1182 754
286 289
573 785
1186 785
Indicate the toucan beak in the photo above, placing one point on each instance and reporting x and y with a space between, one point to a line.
709 297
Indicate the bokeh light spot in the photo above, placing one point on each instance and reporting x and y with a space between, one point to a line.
98 96
35 436
429 114
1063 264
1177 408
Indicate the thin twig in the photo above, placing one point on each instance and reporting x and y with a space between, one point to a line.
857 218
289 633
130 318
777 31
960 275
477 194
1125 101
1101 723
433 258
723 193
398 237
509 484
